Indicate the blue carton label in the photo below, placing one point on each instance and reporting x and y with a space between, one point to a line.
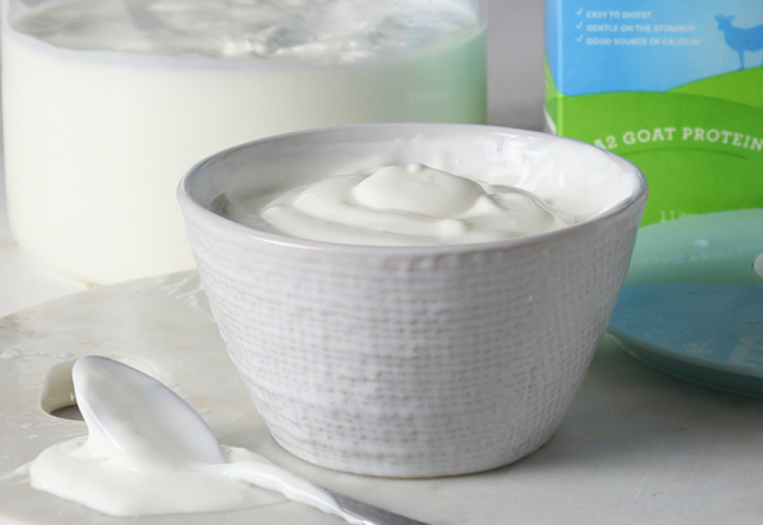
649 45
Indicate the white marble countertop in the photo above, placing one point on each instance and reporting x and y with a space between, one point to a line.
636 447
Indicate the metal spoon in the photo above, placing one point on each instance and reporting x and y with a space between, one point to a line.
136 417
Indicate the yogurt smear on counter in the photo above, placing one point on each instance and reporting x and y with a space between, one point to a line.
412 205
80 470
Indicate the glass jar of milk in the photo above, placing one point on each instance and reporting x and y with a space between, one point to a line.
108 102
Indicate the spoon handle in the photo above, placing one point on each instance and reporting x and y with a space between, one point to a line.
368 514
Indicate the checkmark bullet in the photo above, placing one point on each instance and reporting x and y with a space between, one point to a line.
580 25
580 38
580 12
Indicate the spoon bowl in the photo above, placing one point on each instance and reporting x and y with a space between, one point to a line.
139 418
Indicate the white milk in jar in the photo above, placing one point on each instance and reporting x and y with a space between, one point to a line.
108 102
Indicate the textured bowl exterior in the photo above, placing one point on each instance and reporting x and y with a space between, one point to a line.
413 363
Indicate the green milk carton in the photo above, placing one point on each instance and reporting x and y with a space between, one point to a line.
674 86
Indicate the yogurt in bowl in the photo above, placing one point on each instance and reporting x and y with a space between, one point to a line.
413 205
413 357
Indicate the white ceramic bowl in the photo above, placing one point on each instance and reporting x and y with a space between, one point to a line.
414 361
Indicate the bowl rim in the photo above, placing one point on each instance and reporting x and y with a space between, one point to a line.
190 205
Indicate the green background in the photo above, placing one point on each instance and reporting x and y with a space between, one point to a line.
686 177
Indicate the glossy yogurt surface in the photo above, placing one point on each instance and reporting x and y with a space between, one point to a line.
411 205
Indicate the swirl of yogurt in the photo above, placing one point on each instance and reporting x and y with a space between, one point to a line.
413 205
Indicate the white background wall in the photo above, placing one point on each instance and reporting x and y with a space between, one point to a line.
515 63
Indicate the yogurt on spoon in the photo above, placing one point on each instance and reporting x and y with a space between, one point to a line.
148 452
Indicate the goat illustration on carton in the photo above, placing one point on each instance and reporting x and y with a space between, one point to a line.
738 39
